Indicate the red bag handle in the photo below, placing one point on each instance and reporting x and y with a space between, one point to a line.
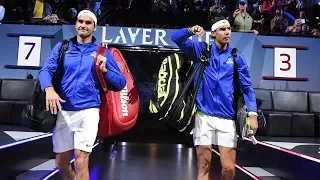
101 51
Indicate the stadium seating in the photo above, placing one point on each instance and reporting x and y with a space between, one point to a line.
290 113
14 95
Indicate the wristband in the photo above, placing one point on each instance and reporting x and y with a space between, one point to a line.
253 113
189 30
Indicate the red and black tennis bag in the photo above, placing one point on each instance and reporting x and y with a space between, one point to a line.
119 109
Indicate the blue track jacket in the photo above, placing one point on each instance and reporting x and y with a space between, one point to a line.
215 95
80 83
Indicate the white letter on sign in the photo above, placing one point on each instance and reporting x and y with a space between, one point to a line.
285 62
29 51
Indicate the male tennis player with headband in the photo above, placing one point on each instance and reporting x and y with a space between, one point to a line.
77 104
214 124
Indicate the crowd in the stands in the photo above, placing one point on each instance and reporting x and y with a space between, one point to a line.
284 17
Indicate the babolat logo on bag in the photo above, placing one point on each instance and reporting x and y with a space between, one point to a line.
162 83
174 96
173 73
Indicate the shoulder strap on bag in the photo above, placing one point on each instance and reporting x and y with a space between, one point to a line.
236 73
236 87
204 60
101 51
235 70
235 65
59 71
206 53
62 52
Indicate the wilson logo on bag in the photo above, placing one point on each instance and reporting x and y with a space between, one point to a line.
119 109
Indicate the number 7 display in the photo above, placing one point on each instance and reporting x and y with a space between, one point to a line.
29 51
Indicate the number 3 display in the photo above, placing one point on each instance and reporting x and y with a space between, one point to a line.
285 62
29 51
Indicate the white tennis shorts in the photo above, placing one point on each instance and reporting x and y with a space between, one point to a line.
210 130
75 130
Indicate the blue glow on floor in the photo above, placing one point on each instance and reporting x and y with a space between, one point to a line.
25 141
57 170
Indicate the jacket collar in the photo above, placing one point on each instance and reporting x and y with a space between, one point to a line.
216 49
74 39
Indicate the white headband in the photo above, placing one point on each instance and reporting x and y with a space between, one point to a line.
218 24
88 13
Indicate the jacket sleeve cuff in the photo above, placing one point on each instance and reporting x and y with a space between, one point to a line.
189 31
45 80
250 103
107 75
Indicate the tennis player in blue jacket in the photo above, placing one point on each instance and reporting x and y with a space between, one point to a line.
214 122
77 104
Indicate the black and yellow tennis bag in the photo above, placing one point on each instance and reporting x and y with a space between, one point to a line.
173 98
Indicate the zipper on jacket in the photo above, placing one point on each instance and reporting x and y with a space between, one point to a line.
218 95
75 88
